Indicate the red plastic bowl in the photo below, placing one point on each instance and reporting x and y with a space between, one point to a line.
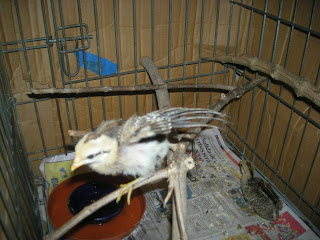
118 228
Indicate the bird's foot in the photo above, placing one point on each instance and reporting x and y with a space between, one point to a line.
127 188
172 176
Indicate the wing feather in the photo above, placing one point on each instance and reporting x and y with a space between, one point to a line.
163 121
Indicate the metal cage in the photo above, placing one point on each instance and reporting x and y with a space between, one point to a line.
47 43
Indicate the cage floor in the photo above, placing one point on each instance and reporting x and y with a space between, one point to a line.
215 206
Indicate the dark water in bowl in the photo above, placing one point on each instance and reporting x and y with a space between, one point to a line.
88 193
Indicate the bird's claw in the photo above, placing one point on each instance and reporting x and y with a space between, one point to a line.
127 188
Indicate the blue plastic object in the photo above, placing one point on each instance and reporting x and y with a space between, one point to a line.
92 63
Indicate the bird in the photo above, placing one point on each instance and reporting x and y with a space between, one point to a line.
258 193
138 146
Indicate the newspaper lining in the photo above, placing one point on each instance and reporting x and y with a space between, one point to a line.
215 207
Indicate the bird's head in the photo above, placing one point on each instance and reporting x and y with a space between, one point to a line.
246 168
95 150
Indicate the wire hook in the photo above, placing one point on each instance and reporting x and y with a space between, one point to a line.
62 58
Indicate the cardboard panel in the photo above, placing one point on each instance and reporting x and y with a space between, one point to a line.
271 129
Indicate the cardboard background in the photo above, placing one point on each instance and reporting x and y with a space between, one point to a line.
242 33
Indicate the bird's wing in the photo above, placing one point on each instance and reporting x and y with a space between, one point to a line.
106 125
163 121
110 128
267 189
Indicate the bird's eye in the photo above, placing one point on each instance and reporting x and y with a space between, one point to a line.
91 156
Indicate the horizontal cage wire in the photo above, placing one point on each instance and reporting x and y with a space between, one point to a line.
76 44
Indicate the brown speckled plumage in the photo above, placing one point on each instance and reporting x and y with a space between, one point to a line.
259 194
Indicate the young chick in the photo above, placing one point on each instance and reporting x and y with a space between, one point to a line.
259 194
138 146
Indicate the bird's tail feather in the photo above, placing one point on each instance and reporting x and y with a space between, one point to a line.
180 112
181 118
190 125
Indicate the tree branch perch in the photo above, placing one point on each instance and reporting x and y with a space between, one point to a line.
179 216
301 86
179 211
142 88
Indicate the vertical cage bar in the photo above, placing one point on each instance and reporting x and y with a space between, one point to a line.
115 15
315 154
227 49
4 224
294 101
10 106
135 50
67 59
309 110
60 63
214 48
254 89
185 48
96 23
8 166
64 37
228 39
268 85
15 180
243 74
29 76
285 137
13 184
61 72
31 85
280 92
169 40
238 30
84 63
2 194
304 187
152 46
200 51
234 74
52 73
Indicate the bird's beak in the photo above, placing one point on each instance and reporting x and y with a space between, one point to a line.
77 162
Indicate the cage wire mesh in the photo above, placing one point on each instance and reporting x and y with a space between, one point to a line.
68 44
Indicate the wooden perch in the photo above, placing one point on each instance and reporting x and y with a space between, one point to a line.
179 182
301 86
236 93
107 89
221 103
179 206
182 146
155 77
